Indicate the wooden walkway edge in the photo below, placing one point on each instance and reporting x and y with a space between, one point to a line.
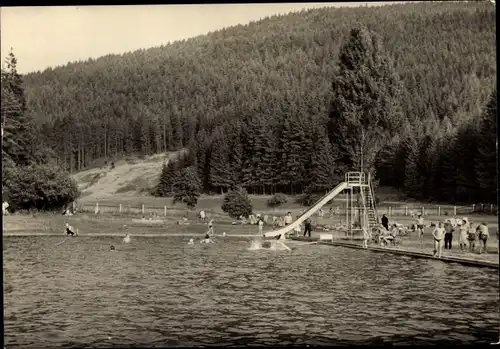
463 261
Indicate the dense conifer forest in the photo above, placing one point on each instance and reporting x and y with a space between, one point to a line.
289 103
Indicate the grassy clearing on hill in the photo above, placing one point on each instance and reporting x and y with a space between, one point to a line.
130 176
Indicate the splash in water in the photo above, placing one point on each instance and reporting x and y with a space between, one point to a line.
273 245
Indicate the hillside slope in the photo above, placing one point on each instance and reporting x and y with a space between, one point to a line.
128 178
154 100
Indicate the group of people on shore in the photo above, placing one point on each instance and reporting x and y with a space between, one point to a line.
468 236
442 233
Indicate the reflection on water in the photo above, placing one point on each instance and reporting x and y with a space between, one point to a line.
163 292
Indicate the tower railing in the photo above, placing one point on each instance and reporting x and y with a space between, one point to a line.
356 178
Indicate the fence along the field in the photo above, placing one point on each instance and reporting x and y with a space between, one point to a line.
390 211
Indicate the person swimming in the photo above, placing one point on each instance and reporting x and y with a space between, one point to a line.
126 239
112 248
69 230
207 240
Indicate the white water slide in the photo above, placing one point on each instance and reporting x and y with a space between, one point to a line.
321 202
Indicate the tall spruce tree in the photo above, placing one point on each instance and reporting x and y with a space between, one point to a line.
326 172
412 181
465 154
18 131
187 187
487 148
165 186
220 166
365 111
295 161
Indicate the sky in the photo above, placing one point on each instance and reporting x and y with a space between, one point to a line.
49 36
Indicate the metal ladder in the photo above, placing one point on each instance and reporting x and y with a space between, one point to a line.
371 206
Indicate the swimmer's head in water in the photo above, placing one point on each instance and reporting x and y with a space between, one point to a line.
112 247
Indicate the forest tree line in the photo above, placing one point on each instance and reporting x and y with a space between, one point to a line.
245 98
365 130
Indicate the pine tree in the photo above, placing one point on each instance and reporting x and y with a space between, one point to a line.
427 166
326 172
466 152
233 131
187 187
18 131
365 111
295 161
446 169
487 147
412 181
199 148
165 186
221 176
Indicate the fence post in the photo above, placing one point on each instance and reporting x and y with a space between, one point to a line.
97 208
439 211
482 207
422 211
454 210
406 210
473 207
142 208
74 206
165 210
120 208
390 211
491 208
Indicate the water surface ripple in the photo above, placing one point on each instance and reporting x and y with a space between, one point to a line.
159 291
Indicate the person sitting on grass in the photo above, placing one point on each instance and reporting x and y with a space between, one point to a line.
386 236
438 234
482 230
69 230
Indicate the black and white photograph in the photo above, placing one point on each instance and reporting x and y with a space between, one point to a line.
250 174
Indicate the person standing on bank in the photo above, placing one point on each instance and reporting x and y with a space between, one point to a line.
308 227
448 235
438 234
385 222
484 234
261 225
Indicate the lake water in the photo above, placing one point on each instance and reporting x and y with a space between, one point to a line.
160 291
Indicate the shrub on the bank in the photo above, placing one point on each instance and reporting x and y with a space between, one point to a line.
237 203
39 187
277 200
